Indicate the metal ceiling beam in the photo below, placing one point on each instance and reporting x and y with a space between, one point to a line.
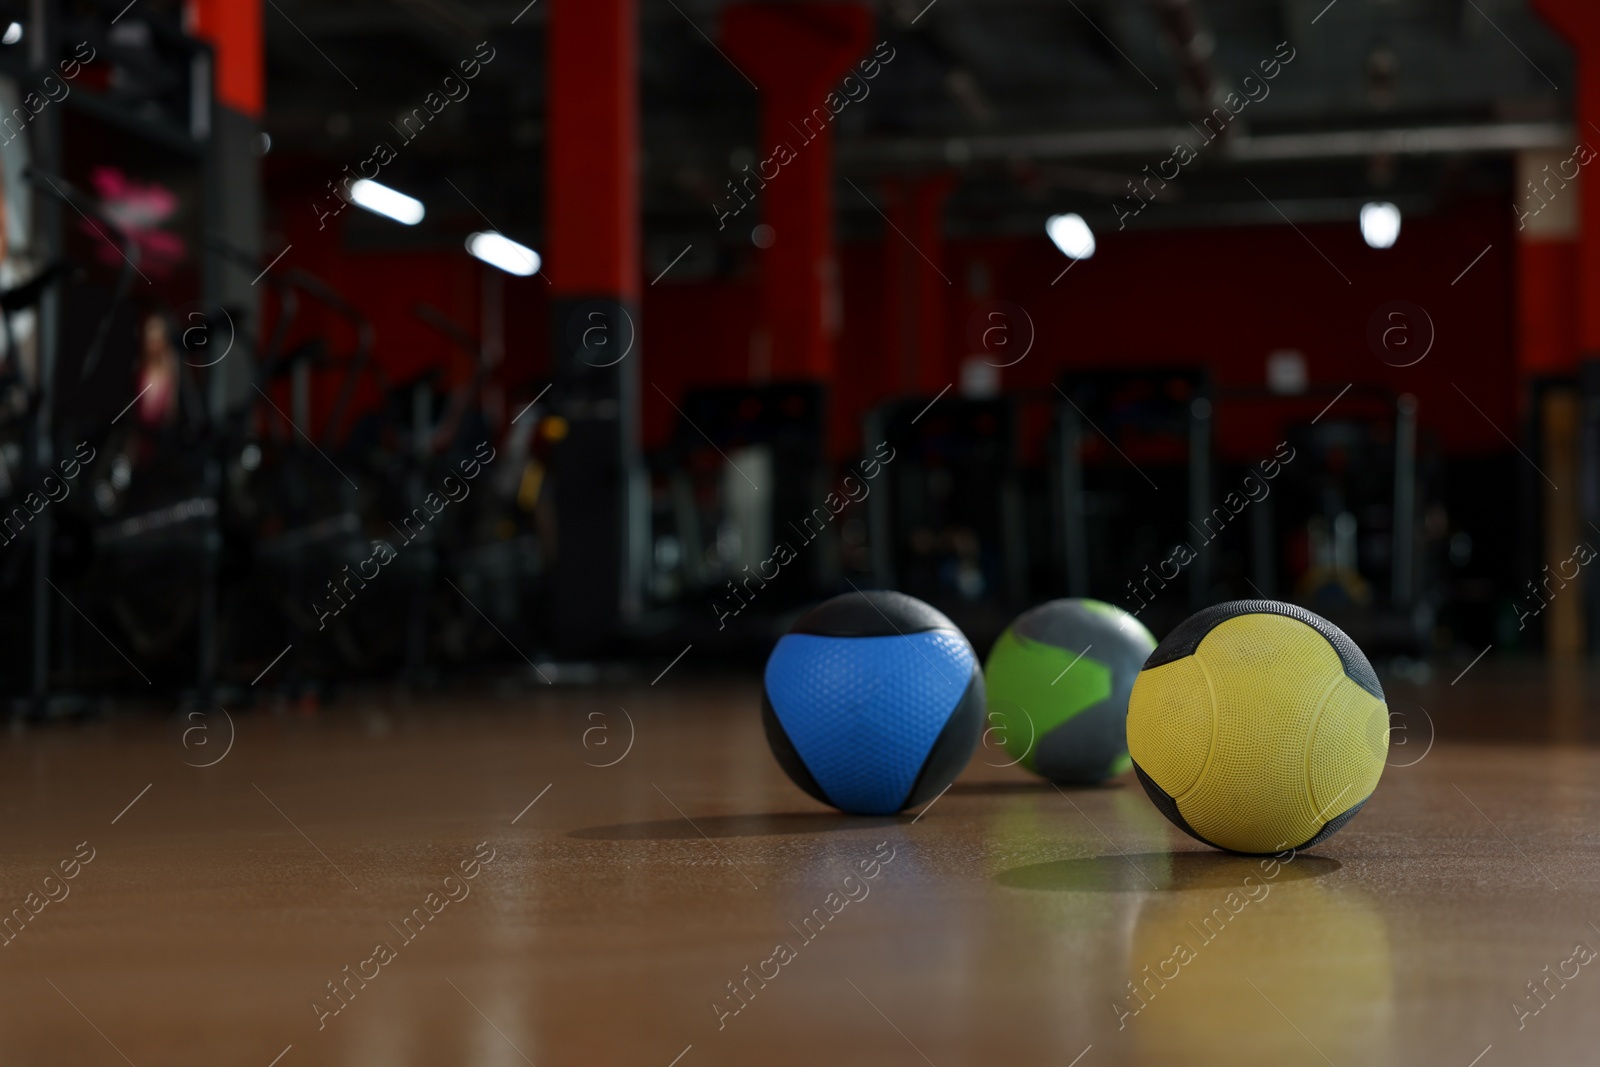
317 17
462 24
1193 50
1307 210
1159 142
1414 141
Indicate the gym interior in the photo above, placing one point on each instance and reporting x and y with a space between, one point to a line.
686 532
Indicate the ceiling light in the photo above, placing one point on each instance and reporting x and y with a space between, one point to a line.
382 200
13 34
498 250
1071 235
1380 225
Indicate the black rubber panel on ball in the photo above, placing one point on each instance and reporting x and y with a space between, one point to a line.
789 759
1083 749
954 746
1169 807
1183 640
872 613
1334 825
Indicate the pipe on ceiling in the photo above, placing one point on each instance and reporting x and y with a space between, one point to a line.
1495 138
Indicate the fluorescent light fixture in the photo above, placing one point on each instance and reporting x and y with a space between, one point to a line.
382 200
1380 225
498 250
1072 235
13 34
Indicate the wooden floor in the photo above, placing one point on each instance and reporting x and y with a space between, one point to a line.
610 907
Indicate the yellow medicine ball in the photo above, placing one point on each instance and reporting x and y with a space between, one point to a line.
1258 727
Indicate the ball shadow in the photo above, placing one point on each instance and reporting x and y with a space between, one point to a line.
1163 871
1030 785
771 824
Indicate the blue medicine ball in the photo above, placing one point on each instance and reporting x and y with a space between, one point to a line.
873 703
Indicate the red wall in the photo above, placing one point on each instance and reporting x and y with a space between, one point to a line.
386 286
1225 298
1547 304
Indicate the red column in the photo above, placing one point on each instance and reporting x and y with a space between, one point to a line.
596 487
1547 305
797 53
934 364
916 304
1579 22
899 294
1558 281
233 29
593 220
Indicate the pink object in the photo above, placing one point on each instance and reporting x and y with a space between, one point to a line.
139 210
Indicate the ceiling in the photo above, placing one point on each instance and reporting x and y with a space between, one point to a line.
1039 105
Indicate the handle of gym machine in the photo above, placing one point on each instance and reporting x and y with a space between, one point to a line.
366 339
268 356
462 398
286 282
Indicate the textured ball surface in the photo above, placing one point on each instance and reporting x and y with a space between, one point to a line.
1058 682
873 702
1258 727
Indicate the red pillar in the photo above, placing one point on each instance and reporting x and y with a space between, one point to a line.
232 210
1558 281
1547 270
917 285
233 29
797 53
593 220
233 206
1579 22
593 250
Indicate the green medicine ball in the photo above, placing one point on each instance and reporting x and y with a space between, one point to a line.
1058 682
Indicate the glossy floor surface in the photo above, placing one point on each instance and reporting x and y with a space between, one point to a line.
467 882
